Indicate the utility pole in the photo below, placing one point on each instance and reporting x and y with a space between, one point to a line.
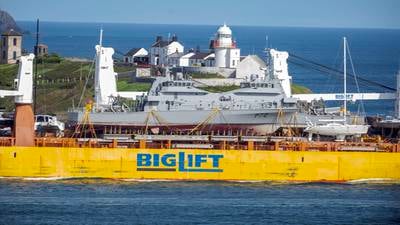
36 68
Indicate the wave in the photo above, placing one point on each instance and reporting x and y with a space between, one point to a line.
148 180
374 181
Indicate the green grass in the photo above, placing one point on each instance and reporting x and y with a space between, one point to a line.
8 72
218 89
118 68
205 75
298 89
123 85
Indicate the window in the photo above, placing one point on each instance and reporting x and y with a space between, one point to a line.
4 54
4 42
15 41
14 55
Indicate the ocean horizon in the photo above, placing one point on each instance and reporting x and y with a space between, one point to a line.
187 24
375 52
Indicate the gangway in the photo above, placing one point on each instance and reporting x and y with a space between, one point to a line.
357 96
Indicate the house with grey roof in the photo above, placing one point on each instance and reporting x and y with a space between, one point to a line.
174 59
137 56
10 49
161 49
202 59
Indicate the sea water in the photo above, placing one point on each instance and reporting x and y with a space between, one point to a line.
375 52
162 202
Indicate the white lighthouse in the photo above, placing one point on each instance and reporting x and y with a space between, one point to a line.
226 53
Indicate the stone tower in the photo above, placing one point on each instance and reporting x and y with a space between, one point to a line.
11 44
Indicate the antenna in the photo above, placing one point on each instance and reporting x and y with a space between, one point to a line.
101 37
344 79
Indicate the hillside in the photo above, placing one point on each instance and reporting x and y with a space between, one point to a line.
7 22
60 85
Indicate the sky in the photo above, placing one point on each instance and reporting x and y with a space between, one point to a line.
292 13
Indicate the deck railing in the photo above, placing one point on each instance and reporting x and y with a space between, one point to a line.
221 144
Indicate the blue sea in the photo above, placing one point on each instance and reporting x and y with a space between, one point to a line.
375 52
162 202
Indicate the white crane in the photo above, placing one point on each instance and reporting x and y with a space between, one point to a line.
24 118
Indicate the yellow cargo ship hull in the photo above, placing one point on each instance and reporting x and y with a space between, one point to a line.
196 164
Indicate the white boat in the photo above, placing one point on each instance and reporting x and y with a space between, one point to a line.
335 129
340 131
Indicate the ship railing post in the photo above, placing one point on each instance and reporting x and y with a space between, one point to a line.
142 143
276 145
223 145
302 146
250 145
169 144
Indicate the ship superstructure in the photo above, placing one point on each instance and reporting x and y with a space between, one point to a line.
260 106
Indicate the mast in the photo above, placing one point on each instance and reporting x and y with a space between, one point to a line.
101 37
36 68
98 58
344 80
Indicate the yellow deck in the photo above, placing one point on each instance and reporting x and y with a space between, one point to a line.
196 164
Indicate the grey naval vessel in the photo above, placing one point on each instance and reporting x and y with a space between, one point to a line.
261 106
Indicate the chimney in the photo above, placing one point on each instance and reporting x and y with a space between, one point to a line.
158 38
212 44
174 38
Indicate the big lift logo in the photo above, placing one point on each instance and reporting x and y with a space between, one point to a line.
179 162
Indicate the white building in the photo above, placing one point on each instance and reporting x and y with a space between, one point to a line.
137 55
184 60
251 65
202 59
162 48
226 53
174 59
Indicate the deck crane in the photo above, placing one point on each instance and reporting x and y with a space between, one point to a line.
23 119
